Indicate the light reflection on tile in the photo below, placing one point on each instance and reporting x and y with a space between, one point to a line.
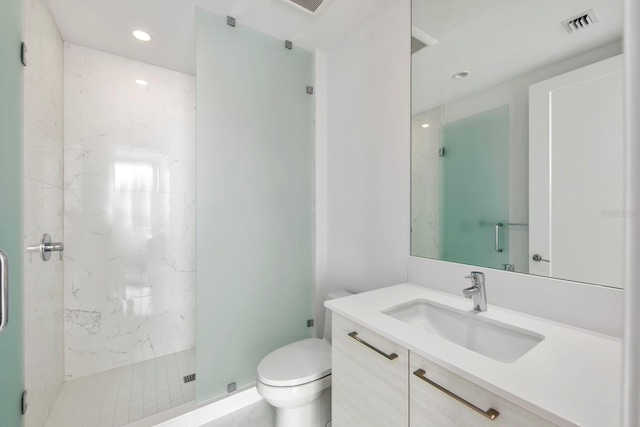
129 181
425 183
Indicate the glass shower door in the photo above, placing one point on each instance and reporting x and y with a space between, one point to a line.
475 190
255 201
11 338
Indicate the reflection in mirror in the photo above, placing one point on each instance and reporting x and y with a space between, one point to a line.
517 136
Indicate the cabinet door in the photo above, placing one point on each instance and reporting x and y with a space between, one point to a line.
369 384
432 407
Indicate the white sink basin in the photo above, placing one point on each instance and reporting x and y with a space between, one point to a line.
499 341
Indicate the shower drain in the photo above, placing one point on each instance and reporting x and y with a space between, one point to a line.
189 378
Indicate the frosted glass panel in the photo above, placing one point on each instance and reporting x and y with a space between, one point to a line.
475 189
255 174
11 340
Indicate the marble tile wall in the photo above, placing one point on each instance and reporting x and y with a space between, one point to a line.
129 215
43 192
425 182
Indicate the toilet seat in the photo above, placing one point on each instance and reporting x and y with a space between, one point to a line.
295 364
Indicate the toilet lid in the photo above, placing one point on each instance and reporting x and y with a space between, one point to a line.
295 364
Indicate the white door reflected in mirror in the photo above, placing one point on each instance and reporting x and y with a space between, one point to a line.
576 214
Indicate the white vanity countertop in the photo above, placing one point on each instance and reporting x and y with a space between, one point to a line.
572 377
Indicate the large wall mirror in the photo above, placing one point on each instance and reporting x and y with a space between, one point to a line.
517 145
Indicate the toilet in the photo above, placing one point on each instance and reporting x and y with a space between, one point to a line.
296 379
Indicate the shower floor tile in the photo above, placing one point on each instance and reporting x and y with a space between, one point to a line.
259 414
124 395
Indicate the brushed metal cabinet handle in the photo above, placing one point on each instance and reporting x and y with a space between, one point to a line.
4 291
390 356
490 413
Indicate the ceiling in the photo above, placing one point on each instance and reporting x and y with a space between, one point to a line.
107 25
497 40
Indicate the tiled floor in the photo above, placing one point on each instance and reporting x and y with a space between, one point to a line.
257 415
123 395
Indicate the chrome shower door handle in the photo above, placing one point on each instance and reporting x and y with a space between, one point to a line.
4 291
497 237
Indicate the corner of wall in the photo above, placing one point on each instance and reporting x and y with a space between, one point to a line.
366 168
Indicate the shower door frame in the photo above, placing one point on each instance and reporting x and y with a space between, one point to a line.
11 110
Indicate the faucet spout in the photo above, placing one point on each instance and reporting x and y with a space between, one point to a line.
477 291
470 292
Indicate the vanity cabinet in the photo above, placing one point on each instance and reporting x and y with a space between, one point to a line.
376 382
440 398
369 378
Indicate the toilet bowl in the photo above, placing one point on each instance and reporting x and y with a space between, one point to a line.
296 379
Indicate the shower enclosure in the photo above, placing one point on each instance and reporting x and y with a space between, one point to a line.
474 192
111 332
460 181
255 206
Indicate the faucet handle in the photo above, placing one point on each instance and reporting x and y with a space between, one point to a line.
474 274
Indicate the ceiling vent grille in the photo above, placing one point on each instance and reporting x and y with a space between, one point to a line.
581 21
308 5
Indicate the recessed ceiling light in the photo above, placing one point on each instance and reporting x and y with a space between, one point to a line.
425 125
461 75
141 35
141 82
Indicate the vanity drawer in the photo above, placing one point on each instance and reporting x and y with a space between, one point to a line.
369 381
430 406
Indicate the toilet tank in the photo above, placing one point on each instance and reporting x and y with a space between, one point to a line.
327 312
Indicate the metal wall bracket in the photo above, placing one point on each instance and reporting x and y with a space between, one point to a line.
310 323
288 44
310 90
231 387
231 21
24 404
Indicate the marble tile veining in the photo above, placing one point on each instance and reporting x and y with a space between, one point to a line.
42 207
129 217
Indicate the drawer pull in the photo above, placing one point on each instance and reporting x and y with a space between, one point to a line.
391 356
490 413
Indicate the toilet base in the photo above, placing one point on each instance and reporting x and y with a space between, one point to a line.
315 414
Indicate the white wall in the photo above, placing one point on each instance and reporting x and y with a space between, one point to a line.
367 156
129 214
43 142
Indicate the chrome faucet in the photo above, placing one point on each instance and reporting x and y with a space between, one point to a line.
476 291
